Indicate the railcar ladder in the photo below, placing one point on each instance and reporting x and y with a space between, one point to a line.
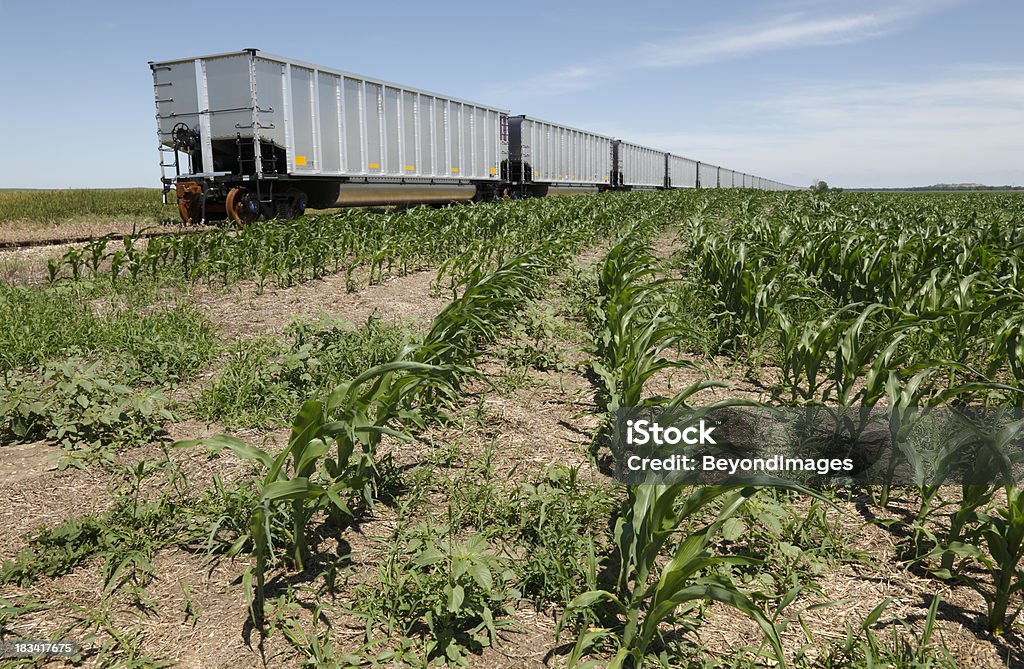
168 159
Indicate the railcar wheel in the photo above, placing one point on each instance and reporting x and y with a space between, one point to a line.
242 206
189 212
291 205
190 202
298 204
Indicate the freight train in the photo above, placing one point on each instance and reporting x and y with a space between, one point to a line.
248 134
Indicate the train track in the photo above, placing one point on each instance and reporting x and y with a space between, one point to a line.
84 239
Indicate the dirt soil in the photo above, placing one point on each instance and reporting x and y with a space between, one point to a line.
242 312
21 232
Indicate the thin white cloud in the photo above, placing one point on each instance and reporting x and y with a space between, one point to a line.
795 30
566 80
966 126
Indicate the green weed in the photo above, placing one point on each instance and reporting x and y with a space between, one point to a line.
265 381
40 324
82 407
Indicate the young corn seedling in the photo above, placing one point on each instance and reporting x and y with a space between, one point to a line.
331 454
912 395
459 331
997 544
329 459
641 606
975 525
1008 349
1003 532
634 331
629 350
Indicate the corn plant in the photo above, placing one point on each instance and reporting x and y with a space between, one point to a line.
476 316
1008 346
997 544
332 452
805 352
1003 533
629 344
634 330
458 240
912 395
978 533
330 458
641 606
747 291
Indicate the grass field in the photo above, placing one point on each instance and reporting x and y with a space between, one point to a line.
376 438
70 213
52 206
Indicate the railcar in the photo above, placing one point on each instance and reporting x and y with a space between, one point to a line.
707 175
680 172
550 159
727 178
248 134
637 167
266 135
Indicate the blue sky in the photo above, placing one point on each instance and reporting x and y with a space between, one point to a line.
859 93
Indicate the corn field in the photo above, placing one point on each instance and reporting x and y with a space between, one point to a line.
388 438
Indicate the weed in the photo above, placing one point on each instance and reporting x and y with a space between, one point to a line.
330 349
560 525
125 537
40 324
83 408
453 593
265 381
249 391
904 647
535 340
791 547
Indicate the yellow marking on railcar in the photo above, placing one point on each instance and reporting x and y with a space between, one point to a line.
374 166
300 160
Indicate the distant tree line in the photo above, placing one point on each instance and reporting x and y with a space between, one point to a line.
945 187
